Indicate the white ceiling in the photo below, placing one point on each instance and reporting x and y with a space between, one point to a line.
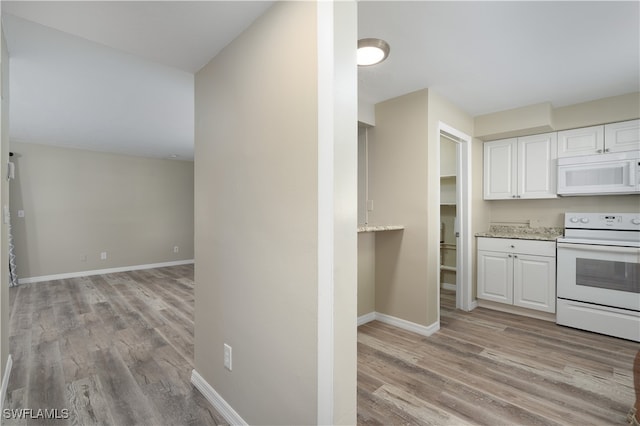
114 76
493 56
118 76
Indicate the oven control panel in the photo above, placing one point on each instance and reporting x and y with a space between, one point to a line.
616 221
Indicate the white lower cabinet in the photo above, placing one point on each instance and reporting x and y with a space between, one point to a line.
495 276
518 272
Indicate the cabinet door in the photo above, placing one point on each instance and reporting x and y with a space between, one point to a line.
537 169
499 172
495 276
534 282
583 141
624 136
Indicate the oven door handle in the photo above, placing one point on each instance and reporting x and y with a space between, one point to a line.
608 249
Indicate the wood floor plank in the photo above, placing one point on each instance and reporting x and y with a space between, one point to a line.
76 360
118 349
417 407
109 348
20 345
16 399
489 367
45 389
535 388
86 403
128 404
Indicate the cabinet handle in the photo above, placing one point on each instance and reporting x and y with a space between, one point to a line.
509 255
515 255
519 196
606 150
599 151
512 246
513 196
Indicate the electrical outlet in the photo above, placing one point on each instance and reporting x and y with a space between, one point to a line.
176 249
227 357
20 213
103 255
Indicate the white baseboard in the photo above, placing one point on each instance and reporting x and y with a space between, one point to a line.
363 319
424 330
5 382
216 400
102 271
511 309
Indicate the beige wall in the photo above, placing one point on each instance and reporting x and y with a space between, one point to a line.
398 188
80 203
366 240
4 201
551 212
541 118
440 110
526 120
362 175
599 111
366 273
404 163
401 161
261 271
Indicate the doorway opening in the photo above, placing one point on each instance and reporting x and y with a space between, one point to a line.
455 218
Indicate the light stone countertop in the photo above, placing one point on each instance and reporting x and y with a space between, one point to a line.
522 232
378 228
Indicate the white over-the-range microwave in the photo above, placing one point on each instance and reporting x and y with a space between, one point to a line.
601 174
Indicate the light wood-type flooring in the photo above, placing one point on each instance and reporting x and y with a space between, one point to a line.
117 349
112 349
492 368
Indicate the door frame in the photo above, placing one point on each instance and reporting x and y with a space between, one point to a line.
464 242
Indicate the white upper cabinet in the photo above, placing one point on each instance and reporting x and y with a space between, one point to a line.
519 168
500 169
614 137
537 169
583 141
624 136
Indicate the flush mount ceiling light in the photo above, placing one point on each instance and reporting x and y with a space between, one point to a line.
372 51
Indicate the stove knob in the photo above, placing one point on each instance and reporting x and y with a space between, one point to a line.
635 221
584 220
574 220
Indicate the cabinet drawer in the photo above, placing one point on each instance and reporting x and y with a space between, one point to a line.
511 245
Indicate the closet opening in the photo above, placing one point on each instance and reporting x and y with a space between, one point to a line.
454 278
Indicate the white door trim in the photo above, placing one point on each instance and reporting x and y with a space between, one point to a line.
325 213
